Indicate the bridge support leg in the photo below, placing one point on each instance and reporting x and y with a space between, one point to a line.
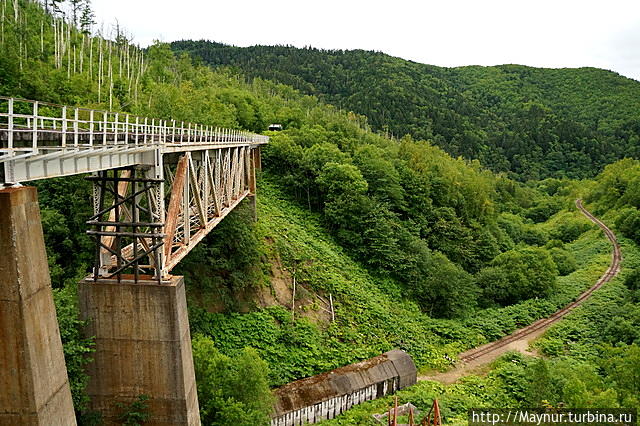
255 164
143 347
34 388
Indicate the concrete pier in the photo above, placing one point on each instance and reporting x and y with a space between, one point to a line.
34 388
143 347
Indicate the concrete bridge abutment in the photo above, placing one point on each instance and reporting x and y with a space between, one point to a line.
143 347
34 388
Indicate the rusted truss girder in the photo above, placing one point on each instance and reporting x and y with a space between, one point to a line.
146 219
205 187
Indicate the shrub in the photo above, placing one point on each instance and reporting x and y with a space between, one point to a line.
517 275
628 222
447 290
232 390
564 260
543 210
569 230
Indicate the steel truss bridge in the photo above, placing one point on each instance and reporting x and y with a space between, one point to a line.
159 186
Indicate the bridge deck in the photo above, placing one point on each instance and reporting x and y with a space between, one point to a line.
41 140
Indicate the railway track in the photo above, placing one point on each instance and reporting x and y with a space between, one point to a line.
611 272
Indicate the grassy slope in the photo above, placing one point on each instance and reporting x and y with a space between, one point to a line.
372 314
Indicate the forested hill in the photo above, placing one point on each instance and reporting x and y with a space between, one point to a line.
532 122
364 244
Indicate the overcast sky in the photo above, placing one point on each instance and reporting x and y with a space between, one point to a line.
545 33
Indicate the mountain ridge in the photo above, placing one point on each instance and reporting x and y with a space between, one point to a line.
530 122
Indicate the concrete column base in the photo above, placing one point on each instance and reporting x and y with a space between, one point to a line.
143 347
253 202
34 388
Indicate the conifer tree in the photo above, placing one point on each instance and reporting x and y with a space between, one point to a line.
86 17
76 10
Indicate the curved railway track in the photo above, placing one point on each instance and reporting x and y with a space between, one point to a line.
611 272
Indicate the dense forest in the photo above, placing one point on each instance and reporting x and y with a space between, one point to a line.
417 249
590 359
534 123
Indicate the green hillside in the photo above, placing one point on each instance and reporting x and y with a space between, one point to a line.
590 359
373 313
533 122
414 248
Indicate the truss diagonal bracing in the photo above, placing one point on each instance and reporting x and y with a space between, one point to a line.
160 186
206 186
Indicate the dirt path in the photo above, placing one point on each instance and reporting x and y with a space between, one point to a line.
473 360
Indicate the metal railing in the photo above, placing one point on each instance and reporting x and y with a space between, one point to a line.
27 126
40 140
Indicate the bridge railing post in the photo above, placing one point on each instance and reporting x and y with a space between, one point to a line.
9 175
10 124
35 126
144 131
115 128
91 127
136 132
75 127
104 127
126 130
